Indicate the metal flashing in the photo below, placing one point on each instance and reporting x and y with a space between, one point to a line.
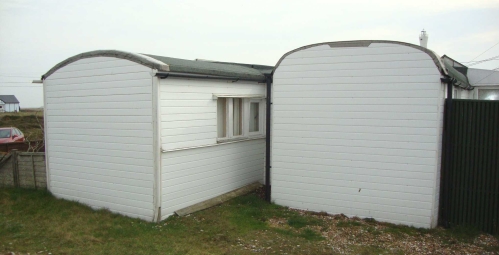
349 44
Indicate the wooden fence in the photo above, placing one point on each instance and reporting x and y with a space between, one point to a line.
33 146
23 170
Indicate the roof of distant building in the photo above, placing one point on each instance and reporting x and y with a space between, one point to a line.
9 99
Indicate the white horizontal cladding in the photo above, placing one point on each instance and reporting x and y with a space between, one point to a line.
362 73
195 175
189 111
99 130
372 92
374 80
356 131
357 58
359 67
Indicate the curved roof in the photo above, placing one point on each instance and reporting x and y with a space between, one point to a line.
167 64
366 43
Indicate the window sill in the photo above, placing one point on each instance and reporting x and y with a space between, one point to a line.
220 141
237 139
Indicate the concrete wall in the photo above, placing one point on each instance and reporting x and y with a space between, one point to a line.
28 172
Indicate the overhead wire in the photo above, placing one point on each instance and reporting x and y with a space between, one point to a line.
491 73
17 82
483 52
483 60
17 76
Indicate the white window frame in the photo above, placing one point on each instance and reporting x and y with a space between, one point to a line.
260 116
475 96
229 118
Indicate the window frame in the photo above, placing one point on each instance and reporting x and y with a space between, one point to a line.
476 96
260 117
229 119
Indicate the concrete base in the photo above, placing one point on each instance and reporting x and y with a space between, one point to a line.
218 200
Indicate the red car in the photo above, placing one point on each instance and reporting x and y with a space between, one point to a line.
11 135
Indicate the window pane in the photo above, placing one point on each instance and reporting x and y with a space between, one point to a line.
221 117
238 113
488 94
254 122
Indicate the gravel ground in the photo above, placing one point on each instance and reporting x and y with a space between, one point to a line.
344 235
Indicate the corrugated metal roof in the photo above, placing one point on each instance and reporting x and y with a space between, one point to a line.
9 99
167 64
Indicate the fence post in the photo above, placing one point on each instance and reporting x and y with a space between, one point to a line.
15 167
34 170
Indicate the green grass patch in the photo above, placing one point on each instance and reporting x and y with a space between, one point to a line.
33 220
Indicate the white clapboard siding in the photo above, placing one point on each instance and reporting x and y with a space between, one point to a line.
189 112
357 131
100 135
195 175
188 115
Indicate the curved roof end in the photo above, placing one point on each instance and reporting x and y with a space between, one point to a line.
134 57
365 43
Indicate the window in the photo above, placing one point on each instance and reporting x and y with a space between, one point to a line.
239 118
221 117
254 117
237 110
488 94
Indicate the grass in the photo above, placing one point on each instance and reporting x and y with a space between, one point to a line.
28 122
33 221
37 223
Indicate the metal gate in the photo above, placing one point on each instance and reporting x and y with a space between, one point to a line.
469 189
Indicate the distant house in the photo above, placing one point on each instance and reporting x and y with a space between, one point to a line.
486 83
9 103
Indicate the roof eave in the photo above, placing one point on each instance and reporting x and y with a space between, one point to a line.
134 57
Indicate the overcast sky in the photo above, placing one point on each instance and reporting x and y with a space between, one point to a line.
36 35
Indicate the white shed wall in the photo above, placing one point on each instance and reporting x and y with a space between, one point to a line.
99 133
11 107
189 120
357 131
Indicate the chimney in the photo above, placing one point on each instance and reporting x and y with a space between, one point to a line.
423 39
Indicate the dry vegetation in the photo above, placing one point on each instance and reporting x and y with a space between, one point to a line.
35 222
29 121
